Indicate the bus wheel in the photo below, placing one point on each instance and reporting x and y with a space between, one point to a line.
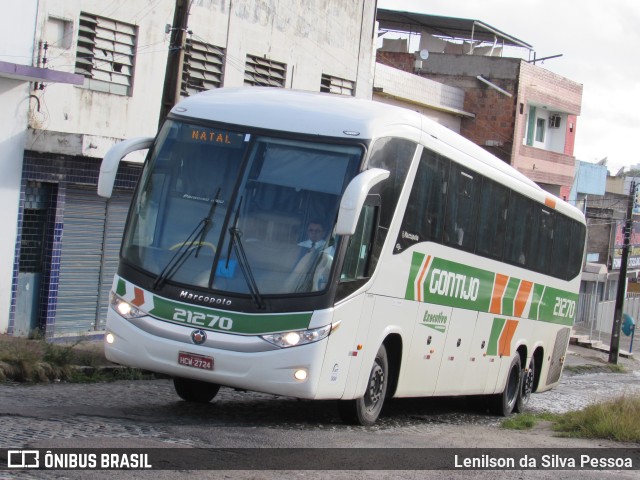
195 390
504 402
526 389
365 410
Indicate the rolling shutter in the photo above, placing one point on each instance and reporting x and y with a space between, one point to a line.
80 262
90 248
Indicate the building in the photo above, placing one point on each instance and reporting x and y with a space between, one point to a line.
522 113
62 251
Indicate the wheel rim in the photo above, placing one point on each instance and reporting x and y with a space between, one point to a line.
527 383
376 387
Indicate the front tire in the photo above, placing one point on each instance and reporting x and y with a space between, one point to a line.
365 411
505 402
195 390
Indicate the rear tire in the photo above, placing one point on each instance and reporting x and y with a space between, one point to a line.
504 403
365 411
195 390
526 388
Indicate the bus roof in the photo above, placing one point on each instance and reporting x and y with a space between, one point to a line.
335 116
291 110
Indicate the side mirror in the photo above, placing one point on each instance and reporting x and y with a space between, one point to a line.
354 197
111 160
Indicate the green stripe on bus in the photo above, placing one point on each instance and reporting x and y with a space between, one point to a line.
538 290
414 271
226 321
509 296
121 288
496 329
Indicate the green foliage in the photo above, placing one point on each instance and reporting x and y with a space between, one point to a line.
617 420
33 359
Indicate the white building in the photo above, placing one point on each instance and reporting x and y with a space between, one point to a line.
60 242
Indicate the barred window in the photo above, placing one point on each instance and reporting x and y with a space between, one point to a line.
105 54
262 72
203 67
340 86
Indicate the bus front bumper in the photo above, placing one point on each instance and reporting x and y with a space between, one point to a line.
272 370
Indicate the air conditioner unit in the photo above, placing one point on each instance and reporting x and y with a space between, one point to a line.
554 121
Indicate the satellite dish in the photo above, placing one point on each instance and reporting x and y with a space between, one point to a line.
424 54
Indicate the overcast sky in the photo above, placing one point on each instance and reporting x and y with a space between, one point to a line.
600 45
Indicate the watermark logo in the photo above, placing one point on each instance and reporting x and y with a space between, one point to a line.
23 459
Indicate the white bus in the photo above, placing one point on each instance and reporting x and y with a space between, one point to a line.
324 247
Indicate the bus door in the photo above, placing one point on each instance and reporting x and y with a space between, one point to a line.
420 375
455 356
484 366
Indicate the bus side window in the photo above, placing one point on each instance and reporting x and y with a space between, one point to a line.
462 202
492 213
521 226
358 254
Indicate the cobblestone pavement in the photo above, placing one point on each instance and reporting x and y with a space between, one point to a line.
148 413
151 409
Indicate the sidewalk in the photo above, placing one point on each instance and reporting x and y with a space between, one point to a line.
600 341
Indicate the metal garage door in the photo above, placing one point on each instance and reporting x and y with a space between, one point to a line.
80 262
88 259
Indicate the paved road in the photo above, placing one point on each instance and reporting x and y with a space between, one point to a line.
141 414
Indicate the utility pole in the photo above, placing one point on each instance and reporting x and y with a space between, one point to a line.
614 349
175 59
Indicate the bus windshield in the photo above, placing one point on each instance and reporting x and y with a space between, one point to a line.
237 212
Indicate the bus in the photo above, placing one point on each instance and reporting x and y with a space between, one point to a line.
326 247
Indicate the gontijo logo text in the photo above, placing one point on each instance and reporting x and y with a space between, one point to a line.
442 282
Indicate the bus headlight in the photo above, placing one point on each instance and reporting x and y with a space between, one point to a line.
298 337
125 309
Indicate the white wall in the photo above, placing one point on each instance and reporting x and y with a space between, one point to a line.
76 110
16 46
311 38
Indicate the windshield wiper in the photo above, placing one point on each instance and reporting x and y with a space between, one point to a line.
235 242
197 236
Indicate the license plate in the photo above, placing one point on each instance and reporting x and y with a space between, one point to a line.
194 360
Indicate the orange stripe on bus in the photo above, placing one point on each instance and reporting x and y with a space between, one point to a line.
504 345
550 202
522 297
138 297
498 291
423 272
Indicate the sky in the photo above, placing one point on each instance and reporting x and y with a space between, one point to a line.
600 45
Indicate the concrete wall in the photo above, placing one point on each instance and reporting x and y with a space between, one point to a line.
77 110
441 103
16 46
311 38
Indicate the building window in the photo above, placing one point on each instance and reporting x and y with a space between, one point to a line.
59 33
329 84
261 72
540 128
202 69
105 54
